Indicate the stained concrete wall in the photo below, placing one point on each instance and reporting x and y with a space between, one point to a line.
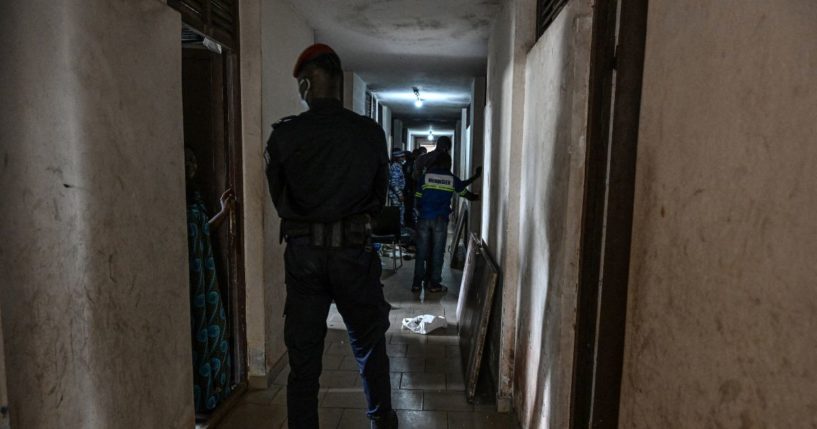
512 36
284 35
552 184
536 117
95 298
722 309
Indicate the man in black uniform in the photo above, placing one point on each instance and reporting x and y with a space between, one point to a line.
328 174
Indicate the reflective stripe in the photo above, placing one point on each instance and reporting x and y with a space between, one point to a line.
418 194
464 191
438 187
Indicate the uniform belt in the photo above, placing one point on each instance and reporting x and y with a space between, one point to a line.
354 231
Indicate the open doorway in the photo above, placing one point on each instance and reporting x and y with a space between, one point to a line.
212 141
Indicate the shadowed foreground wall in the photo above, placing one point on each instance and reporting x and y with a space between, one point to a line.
723 307
284 34
94 292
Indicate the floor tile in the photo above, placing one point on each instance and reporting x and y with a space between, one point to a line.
281 396
446 401
422 419
423 381
434 365
426 350
333 379
407 399
396 350
329 418
281 378
349 363
331 362
454 382
453 365
356 419
248 415
337 348
401 364
344 399
480 420
407 338
262 397
336 335
452 351
395 378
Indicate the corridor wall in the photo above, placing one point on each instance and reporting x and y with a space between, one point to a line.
284 34
511 38
534 155
722 306
552 185
94 294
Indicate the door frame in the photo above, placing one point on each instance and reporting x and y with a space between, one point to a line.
616 73
202 22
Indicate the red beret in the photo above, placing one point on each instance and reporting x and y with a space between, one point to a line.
311 53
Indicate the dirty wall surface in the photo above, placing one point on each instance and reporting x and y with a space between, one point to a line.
723 309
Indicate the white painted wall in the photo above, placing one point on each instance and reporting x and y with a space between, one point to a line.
95 297
386 123
722 305
359 100
354 92
284 35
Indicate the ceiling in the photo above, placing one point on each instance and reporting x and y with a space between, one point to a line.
394 45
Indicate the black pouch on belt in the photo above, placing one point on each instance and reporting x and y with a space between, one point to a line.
357 230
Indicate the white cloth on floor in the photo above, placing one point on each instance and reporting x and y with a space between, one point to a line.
424 324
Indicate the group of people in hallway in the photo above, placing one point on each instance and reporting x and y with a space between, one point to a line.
327 202
422 186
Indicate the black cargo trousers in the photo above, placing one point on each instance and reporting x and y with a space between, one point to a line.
349 276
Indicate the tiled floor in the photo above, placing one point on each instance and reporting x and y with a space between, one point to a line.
426 378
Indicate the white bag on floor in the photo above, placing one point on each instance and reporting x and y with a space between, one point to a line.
424 324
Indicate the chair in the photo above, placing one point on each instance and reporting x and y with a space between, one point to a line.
386 230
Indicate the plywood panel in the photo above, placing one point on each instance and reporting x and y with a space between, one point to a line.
477 300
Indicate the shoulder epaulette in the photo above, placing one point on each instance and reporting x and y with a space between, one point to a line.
283 121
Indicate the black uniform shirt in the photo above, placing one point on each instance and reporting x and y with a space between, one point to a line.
327 164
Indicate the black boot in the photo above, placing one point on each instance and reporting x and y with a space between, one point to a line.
388 421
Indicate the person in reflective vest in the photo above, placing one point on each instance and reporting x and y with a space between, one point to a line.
434 192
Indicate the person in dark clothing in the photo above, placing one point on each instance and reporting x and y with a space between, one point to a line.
423 162
328 174
411 215
435 190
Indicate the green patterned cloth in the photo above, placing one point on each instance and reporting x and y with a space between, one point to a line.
211 337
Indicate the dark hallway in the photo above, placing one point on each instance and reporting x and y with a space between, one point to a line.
642 206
